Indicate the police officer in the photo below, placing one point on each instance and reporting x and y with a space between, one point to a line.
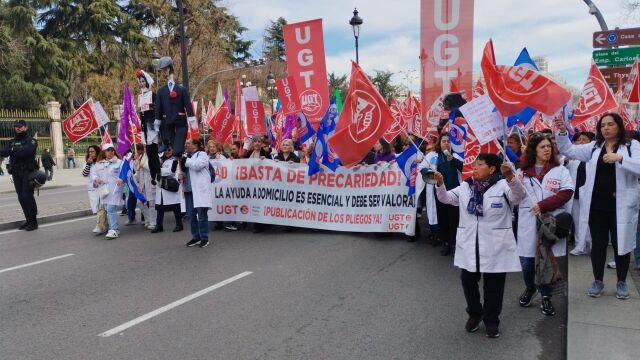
174 111
22 152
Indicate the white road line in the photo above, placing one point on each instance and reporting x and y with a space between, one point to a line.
50 224
36 263
174 304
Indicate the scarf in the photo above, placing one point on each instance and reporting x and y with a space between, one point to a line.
478 188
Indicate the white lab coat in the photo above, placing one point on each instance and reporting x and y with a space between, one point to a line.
164 197
108 171
198 165
94 198
582 235
493 231
430 195
555 180
627 191
143 177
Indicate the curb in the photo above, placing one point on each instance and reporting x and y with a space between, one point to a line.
48 219
52 187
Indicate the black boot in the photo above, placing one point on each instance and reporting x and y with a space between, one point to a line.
32 224
157 229
446 250
23 226
178 227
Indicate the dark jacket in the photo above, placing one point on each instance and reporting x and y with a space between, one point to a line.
292 157
173 111
22 152
264 153
47 160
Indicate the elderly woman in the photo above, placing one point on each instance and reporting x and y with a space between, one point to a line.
255 148
485 246
549 185
286 152
104 177
609 199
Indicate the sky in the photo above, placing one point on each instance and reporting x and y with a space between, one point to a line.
389 40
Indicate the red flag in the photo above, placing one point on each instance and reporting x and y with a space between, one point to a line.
511 88
478 90
222 124
208 121
596 98
472 148
194 132
255 118
453 88
106 137
288 93
81 123
632 93
398 122
365 118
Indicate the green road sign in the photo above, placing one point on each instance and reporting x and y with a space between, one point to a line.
616 57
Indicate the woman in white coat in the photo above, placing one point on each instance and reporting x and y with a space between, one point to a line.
167 200
94 199
198 195
143 179
104 176
609 198
485 243
549 188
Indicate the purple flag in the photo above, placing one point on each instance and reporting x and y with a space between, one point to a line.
128 118
289 125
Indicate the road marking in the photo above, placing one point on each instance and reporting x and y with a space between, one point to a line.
36 263
50 224
147 316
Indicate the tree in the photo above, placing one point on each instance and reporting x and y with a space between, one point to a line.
382 81
336 81
273 41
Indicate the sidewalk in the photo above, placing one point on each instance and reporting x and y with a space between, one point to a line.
605 327
61 178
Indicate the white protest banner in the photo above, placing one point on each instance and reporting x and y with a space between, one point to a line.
367 199
101 115
485 121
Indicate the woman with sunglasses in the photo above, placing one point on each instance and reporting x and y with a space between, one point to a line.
550 188
609 199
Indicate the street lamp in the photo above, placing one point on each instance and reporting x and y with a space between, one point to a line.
355 23
271 82
593 10
155 57
183 46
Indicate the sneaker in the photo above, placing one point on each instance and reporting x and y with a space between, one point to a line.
597 288
204 243
112 234
130 222
622 291
231 227
577 252
611 265
97 230
547 306
193 242
492 331
527 297
472 324
31 226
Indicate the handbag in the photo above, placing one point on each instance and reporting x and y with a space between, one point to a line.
169 183
103 190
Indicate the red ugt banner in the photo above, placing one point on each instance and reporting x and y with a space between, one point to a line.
446 51
81 123
256 124
304 47
222 124
596 98
288 93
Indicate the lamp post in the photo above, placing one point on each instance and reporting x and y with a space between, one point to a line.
271 85
155 57
183 46
593 10
355 23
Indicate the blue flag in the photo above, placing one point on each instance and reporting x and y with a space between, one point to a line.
305 129
407 163
527 113
457 133
126 175
322 152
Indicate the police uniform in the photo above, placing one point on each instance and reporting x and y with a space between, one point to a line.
173 110
22 152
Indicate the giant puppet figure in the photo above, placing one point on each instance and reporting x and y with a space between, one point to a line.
174 111
146 105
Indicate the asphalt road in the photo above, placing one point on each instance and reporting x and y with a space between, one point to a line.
309 295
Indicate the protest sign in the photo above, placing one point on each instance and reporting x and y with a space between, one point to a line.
367 199
487 124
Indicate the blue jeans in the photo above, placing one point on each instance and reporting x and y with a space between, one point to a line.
132 201
198 218
112 215
529 274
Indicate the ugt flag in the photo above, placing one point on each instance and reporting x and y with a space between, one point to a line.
407 163
596 98
524 59
126 175
322 152
512 88
364 119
